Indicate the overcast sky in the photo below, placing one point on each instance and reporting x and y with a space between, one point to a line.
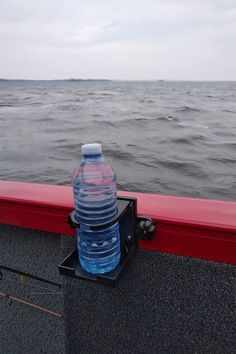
118 39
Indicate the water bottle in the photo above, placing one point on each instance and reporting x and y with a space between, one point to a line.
94 187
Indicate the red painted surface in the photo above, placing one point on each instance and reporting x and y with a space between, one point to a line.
186 226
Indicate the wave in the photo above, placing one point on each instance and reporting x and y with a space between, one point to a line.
228 111
132 145
183 140
109 93
133 186
189 140
2 105
35 104
224 160
168 118
134 121
26 98
182 167
58 158
146 100
97 115
224 133
20 104
188 109
231 145
106 123
99 94
118 154
60 140
211 96
187 168
68 107
139 119
46 119
148 163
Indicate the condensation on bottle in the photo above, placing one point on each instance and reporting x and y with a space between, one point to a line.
94 188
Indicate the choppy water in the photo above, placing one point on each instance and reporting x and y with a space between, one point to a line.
174 138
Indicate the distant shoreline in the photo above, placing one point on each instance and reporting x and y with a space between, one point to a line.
69 80
107 80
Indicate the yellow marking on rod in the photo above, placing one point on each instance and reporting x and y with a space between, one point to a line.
22 279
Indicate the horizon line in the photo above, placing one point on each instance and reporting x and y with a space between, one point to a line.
121 80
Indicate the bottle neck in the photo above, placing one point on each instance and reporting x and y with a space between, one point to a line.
92 158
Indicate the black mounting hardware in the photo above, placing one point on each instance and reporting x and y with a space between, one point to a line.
122 206
145 228
131 229
127 217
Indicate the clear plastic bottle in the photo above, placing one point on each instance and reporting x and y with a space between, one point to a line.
94 187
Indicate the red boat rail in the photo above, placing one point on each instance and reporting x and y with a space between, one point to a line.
185 226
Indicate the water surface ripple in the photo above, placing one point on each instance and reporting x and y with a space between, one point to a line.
174 138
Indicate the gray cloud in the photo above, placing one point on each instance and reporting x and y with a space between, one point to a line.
182 39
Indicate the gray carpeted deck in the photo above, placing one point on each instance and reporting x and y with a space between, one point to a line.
23 329
163 304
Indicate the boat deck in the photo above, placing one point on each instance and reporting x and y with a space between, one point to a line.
177 295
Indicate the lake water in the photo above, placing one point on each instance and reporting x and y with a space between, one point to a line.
176 138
